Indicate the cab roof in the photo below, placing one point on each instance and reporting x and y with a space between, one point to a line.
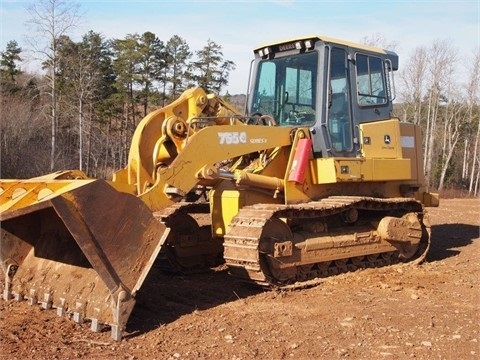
330 40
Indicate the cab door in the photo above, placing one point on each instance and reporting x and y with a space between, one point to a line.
339 113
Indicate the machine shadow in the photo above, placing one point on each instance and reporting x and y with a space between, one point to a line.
448 238
165 297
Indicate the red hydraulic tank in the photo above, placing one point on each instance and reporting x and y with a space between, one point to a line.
300 161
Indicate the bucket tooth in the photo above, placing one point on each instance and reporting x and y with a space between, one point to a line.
116 332
32 299
7 294
95 325
78 316
47 301
11 269
61 307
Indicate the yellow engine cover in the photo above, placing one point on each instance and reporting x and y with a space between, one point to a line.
381 157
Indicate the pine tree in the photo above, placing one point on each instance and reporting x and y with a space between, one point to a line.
177 55
8 67
211 70
151 64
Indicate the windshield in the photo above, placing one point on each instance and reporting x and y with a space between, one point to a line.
285 89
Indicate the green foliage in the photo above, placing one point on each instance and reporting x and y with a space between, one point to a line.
176 71
151 64
120 81
8 67
210 71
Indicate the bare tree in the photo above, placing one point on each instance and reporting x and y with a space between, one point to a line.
473 94
440 64
21 130
455 115
49 20
83 81
412 79
379 40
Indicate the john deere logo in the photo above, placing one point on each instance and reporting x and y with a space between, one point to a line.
386 139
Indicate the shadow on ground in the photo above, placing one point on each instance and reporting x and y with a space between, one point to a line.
448 239
165 297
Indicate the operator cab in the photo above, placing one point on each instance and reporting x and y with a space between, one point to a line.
330 86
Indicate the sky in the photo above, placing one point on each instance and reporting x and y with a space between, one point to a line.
242 25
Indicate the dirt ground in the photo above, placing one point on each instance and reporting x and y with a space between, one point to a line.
431 311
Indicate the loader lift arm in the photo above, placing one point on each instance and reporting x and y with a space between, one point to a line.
176 147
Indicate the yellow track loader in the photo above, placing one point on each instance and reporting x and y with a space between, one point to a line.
315 178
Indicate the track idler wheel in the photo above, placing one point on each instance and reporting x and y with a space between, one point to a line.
190 247
405 233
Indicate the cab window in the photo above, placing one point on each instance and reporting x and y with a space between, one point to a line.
370 80
286 88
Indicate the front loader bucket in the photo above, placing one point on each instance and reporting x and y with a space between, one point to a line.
82 248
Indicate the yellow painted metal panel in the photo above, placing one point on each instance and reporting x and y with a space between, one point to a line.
349 170
390 169
411 139
334 170
323 171
225 201
230 204
381 140
16 194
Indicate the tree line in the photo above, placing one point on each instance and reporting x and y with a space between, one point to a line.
94 94
436 96
82 112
